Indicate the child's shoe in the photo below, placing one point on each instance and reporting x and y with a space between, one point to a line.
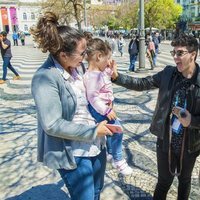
123 167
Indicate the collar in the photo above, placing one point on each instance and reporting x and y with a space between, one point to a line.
194 79
63 72
74 73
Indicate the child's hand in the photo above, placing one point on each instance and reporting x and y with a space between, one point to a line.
102 130
111 115
113 66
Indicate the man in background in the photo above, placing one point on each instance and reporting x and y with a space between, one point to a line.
5 46
133 50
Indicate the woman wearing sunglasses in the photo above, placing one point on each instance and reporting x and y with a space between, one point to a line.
176 119
68 138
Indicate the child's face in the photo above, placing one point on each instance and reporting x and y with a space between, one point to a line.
104 61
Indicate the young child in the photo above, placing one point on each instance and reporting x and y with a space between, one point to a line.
97 80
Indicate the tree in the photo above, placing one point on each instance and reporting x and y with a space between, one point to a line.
128 19
77 11
68 10
162 14
114 16
101 15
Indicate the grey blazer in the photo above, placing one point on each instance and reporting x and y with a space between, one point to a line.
56 104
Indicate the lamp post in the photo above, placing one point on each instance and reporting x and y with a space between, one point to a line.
141 37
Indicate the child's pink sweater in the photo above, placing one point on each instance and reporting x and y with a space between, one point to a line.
99 90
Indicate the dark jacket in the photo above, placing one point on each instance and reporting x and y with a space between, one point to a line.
165 80
133 47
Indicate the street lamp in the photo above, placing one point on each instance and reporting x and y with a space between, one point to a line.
141 37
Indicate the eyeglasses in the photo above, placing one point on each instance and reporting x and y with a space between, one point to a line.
178 53
82 54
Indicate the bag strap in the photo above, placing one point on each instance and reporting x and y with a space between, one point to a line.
175 173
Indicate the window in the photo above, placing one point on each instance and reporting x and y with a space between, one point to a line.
24 16
25 27
32 16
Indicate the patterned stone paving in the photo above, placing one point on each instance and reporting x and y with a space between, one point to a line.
22 178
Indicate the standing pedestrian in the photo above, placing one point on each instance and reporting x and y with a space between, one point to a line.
22 37
5 46
68 138
121 44
100 98
15 38
156 43
150 51
176 119
113 44
133 50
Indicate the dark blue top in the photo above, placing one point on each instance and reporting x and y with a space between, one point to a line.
6 52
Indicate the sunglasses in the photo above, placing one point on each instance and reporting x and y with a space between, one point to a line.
178 53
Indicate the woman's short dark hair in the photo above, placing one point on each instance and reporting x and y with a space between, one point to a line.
53 37
188 41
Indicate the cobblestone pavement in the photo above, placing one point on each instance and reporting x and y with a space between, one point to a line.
22 178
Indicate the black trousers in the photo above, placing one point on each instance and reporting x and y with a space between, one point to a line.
165 178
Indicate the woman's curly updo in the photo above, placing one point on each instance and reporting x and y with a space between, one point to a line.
55 38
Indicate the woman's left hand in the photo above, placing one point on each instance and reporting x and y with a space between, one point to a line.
102 130
184 120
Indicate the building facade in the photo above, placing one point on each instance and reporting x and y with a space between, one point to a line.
191 8
16 15
191 14
20 15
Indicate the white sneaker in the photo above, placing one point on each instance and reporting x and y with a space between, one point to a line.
123 167
109 157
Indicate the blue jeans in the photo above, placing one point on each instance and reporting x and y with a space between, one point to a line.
86 181
155 57
113 143
120 49
133 59
6 63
